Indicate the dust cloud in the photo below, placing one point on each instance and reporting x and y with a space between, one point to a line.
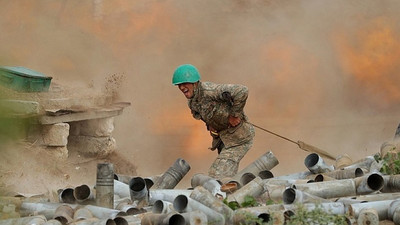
323 72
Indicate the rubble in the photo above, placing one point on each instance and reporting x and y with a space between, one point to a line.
358 193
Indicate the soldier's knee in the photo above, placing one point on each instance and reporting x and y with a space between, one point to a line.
223 168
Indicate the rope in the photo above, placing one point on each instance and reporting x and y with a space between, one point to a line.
287 139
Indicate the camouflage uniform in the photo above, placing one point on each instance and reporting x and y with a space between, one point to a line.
211 105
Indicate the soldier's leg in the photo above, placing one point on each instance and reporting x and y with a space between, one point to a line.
227 162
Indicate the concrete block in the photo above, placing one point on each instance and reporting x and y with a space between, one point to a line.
92 146
55 134
59 152
82 102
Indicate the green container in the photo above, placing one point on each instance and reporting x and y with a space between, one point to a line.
23 79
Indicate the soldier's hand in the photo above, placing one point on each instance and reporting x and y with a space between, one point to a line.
234 121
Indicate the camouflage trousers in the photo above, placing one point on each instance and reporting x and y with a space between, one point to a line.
227 162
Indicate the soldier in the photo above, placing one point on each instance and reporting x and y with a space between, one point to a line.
220 106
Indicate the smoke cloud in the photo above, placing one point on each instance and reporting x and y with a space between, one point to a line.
323 72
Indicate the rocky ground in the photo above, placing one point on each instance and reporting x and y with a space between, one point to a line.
28 169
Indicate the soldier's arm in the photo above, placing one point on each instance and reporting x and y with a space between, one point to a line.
238 97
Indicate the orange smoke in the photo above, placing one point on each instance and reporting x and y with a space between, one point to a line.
372 60
180 123
288 65
282 53
126 23
197 139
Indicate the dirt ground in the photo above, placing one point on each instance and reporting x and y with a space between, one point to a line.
28 170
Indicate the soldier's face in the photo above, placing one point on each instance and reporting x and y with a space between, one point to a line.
187 89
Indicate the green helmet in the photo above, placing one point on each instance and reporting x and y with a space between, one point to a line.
185 73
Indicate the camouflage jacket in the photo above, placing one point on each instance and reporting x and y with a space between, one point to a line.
210 105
